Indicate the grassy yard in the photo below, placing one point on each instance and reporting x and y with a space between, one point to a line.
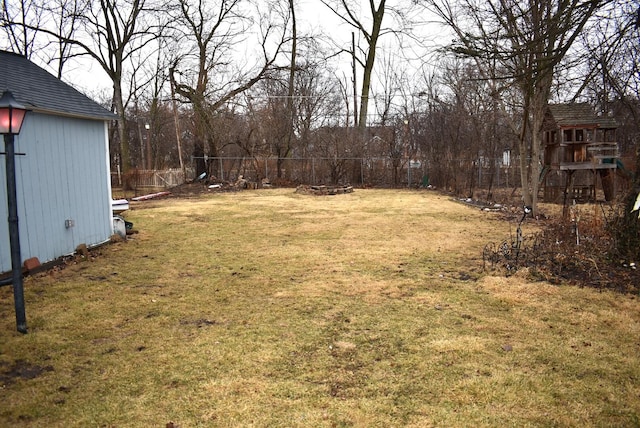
271 308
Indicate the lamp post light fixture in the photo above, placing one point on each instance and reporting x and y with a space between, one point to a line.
11 116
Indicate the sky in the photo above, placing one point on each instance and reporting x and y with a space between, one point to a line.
88 77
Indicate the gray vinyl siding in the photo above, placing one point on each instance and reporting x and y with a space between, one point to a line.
64 175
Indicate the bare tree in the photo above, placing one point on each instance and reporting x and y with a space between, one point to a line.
148 88
20 23
118 29
346 11
613 82
109 32
291 83
371 33
391 85
274 107
317 101
64 16
527 40
209 37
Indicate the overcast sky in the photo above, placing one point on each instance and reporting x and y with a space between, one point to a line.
313 17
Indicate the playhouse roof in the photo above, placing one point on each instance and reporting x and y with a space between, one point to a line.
40 91
579 114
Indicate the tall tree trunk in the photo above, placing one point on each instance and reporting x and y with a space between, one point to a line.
372 40
125 155
291 88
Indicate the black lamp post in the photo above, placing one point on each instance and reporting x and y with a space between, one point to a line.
11 116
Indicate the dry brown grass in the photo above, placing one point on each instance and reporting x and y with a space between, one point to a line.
268 308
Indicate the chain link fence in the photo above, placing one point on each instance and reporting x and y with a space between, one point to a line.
458 176
365 172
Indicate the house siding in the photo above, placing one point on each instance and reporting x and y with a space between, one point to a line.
61 177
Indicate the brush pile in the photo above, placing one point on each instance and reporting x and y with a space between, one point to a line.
324 190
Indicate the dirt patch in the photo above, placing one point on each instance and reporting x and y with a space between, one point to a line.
201 322
20 369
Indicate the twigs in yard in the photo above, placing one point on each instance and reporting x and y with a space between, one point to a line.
559 254
511 254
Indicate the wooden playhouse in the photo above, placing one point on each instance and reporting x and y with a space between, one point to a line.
580 154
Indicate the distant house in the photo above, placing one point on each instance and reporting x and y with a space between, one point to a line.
579 148
62 172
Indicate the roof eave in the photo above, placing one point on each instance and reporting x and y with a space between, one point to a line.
105 117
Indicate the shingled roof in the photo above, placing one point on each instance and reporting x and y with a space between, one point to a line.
579 114
40 91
